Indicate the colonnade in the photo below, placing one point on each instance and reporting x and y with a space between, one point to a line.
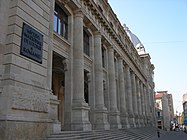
132 93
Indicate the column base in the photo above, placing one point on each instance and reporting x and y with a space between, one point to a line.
124 120
137 120
142 121
101 122
132 121
115 120
56 127
80 119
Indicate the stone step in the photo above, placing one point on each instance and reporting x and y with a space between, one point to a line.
120 134
96 137
113 135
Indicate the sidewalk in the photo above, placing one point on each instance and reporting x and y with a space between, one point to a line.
171 135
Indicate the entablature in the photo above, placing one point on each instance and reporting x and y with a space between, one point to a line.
98 15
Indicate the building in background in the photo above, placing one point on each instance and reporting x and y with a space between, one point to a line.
185 110
70 65
170 104
164 109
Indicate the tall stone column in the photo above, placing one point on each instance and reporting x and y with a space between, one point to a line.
122 92
145 101
129 96
80 108
149 117
134 98
143 104
100 109
139 103
153 106
114 113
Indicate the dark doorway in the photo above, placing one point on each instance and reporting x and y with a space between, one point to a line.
58 83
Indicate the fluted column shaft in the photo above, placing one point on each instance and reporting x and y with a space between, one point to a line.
99 97
139 97
134 93
149 117
143 103
114 113
134 99
129 96
112 81
101 111
129 90
80 119
122 92
78 58
139 102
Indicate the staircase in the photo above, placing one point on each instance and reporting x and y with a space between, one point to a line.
120 134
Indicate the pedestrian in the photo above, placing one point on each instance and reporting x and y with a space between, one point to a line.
158 133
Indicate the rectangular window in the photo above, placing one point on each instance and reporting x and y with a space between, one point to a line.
158 114
60 22
86 87
103 57
86 43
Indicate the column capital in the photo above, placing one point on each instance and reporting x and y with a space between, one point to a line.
120 59
116 54
111 48
97 33
66 64
78 13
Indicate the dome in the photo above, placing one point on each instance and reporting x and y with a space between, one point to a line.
135 40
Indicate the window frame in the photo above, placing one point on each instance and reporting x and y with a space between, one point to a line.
103 49
86 42
60 21
86 86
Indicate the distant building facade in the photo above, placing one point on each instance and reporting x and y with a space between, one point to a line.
170 104
164 109
70 65
185 105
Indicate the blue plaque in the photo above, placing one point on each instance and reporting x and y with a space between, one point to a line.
31 43
185 122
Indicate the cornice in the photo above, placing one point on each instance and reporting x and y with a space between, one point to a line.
113 36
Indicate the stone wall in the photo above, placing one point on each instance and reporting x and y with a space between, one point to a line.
24 92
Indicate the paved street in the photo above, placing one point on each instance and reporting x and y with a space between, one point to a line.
172 135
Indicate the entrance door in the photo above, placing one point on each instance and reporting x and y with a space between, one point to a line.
58 84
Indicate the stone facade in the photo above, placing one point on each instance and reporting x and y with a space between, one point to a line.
91 76
164 109
184 103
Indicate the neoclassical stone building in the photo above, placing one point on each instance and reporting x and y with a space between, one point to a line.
70 65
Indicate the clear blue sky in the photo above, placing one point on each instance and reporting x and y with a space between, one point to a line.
161 25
